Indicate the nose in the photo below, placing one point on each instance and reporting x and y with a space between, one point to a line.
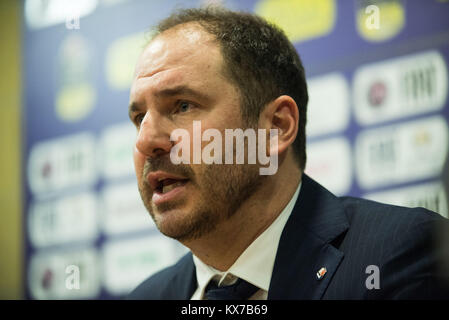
153 140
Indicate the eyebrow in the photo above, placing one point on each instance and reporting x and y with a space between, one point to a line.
133 107
170 92
181 90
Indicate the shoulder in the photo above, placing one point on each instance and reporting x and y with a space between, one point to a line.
166 284
389 216
389 226
405 243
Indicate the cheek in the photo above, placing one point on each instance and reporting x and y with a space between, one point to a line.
139 162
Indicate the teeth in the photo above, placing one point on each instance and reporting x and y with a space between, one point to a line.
170 187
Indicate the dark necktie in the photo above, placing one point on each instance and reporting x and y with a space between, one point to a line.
240 290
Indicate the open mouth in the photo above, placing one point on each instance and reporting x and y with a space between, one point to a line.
166 185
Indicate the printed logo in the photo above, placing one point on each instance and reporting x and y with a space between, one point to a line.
128 262
64 162
41 14
400 87
76 95
65 220
329 162
400 153
123 210
121 57
328 108
116 146
300 19
64 274
377 94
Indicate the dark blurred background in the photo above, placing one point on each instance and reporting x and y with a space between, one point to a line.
72 223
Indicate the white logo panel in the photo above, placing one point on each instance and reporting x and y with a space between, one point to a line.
117 144
400 87
47 274
123 210
41 14
431 196
328 109
329 162
401 153
62 221
61 163
127 263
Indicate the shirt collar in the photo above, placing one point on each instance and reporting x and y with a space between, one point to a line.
256 263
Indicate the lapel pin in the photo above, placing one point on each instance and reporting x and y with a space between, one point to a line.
320 274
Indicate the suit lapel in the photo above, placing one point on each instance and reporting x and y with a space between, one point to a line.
184 282
306 245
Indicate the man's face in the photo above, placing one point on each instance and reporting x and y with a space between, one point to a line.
179 79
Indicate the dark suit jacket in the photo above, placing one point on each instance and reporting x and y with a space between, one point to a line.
345 235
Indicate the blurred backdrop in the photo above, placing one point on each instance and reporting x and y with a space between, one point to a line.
72 222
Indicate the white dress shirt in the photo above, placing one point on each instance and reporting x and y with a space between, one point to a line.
255 264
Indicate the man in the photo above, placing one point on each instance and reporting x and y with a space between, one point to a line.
279 236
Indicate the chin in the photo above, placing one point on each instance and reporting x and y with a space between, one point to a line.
170 220
184 224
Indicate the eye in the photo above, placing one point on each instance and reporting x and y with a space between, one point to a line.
138 118
183 106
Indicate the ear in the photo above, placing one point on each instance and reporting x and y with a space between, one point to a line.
281 114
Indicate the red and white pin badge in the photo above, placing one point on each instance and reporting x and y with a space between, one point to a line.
320 274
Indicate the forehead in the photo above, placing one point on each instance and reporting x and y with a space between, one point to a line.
185 54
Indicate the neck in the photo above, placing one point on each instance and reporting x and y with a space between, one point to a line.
222 247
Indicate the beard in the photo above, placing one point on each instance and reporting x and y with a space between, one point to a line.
220 190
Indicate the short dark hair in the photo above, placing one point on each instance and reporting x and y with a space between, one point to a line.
259 60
